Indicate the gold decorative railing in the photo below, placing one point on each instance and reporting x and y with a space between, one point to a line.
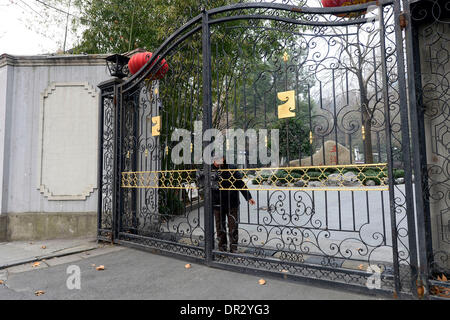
354 177
165 179
332 177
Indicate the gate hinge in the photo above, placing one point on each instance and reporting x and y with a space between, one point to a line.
402 21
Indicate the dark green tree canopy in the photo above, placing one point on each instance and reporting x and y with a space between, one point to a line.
120 26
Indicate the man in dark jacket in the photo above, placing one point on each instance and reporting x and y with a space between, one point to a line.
226 202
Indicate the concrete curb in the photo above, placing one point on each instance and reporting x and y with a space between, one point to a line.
48 256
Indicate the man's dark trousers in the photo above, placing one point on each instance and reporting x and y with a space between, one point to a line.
232 216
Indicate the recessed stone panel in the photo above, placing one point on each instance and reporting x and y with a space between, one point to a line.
68 141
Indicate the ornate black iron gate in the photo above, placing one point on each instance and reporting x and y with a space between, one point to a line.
338 208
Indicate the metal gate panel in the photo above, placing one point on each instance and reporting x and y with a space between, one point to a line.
338 208
157 206
341 233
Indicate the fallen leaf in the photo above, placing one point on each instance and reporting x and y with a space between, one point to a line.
187 266
36 264
262 282
44 247
436 289
39 292
420 291
100 268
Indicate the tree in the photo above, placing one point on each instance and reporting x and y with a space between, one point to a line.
241 56
252 62
52 19
120 26
294 137
361 56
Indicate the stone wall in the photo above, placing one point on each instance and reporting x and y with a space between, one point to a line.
49 145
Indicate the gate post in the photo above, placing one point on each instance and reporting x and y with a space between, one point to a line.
107 173
207 123
418 149
388 128
405 141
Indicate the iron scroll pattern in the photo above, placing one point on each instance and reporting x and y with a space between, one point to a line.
338 236
299 232
275 8
107 160
431 18
166 219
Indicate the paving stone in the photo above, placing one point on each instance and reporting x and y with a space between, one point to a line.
62 260
100 251
26 267
3 275
20 252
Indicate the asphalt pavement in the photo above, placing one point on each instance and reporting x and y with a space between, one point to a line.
134 274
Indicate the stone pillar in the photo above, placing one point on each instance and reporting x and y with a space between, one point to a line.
435 68
6 89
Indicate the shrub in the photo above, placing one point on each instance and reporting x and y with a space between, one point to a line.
296 176
317 175
399 173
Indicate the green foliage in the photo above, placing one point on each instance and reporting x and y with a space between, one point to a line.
294 138
169 202
317 175
374 174
247 65
296 175
120 26
260 179
280 174
399 173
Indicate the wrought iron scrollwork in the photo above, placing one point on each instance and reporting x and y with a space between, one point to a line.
336 209
430 19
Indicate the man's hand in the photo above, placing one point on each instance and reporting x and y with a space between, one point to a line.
251 201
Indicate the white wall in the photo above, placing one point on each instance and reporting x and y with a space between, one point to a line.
28 78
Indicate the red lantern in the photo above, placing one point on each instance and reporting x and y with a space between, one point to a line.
138 60
342 3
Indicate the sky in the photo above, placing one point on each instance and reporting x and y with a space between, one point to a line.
17 38
19 24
